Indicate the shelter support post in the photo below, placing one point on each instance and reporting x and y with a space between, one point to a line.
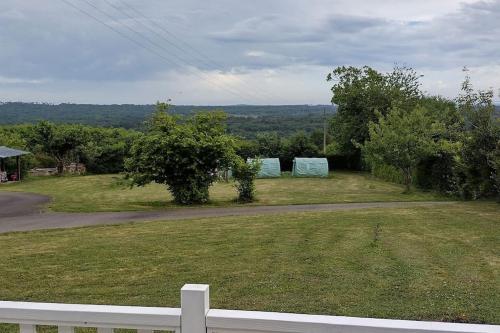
18 162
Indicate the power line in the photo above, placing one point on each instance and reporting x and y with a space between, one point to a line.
203 56
256 95
198 73
113 29
144 46
188 48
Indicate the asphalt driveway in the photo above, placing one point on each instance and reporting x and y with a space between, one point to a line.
25 212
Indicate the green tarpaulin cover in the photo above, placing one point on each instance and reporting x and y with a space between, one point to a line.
310 167
270 167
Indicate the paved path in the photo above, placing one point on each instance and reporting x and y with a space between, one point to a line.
14 204
24 212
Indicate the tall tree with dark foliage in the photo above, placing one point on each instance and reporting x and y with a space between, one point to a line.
359 94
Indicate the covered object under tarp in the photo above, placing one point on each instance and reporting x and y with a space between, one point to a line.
269 168
310 167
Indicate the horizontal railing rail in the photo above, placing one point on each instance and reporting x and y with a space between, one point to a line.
195 316
222 321
81 315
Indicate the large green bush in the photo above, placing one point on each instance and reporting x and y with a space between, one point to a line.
185 156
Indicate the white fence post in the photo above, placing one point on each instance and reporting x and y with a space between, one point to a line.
65 329
23 328
105 330
195 303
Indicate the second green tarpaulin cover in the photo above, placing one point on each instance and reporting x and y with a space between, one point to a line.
270 167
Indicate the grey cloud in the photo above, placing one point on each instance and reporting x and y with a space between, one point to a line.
268 29
353 24
51 41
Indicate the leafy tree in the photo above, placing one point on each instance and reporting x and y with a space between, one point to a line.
359 94
402 139
184 156
475 171
62 142
494 160
298 145
246 148
244 174
301 145
437 171
269 144
106 149
12 137
103 150
445 111
403 87
317 137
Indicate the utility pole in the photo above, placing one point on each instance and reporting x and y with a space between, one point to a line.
324 131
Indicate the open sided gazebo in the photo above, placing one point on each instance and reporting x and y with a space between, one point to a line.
6 152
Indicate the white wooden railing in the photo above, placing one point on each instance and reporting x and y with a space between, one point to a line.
104 317
195 316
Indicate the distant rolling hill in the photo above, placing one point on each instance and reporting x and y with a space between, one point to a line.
244 120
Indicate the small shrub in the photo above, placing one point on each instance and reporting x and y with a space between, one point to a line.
244 174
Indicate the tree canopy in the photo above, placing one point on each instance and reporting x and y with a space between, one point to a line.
477 167
402 139
359 94
184 156
58 142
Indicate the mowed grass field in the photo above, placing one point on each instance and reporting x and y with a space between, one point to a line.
112 193
424 263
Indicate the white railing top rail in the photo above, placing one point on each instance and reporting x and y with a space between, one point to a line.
195 316
239 321
81 315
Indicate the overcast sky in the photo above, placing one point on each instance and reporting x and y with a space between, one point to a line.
235 51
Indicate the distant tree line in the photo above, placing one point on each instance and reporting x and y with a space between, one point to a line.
243 120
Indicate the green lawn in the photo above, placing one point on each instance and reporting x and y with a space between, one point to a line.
111 193
429 263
